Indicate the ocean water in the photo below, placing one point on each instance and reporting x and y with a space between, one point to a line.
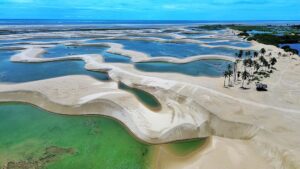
136 22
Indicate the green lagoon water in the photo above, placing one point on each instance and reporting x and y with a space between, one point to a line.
186 147
96 142
146 98
31 136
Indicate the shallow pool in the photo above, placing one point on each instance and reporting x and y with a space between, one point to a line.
232 43
63 50
146 98
30 135
213 68
24 72
180 50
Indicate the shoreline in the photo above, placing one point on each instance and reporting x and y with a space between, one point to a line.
104 116
113 99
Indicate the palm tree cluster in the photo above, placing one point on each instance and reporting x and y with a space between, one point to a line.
254 63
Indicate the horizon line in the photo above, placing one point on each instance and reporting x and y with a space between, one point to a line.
144 19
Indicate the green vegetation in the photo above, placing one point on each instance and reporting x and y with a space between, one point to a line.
287 48
245 28
244 33
274 35
270 34
270 29
270 39
255 67
296 26
212 27
245 76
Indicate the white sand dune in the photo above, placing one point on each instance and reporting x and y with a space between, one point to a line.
247 129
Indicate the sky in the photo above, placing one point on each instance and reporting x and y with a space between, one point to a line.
151 9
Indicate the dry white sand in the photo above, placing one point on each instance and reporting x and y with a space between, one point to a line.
249 129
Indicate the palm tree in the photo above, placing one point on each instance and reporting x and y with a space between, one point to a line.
229 72
236 54
247 53
225 76
273 61
255 54
248 63
263 51
245 75
240 55
256 65
238 74
263 60
235 67
245 63
266 64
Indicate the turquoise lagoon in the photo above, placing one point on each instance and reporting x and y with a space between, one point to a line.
212 68
180 50
25 72
67 50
